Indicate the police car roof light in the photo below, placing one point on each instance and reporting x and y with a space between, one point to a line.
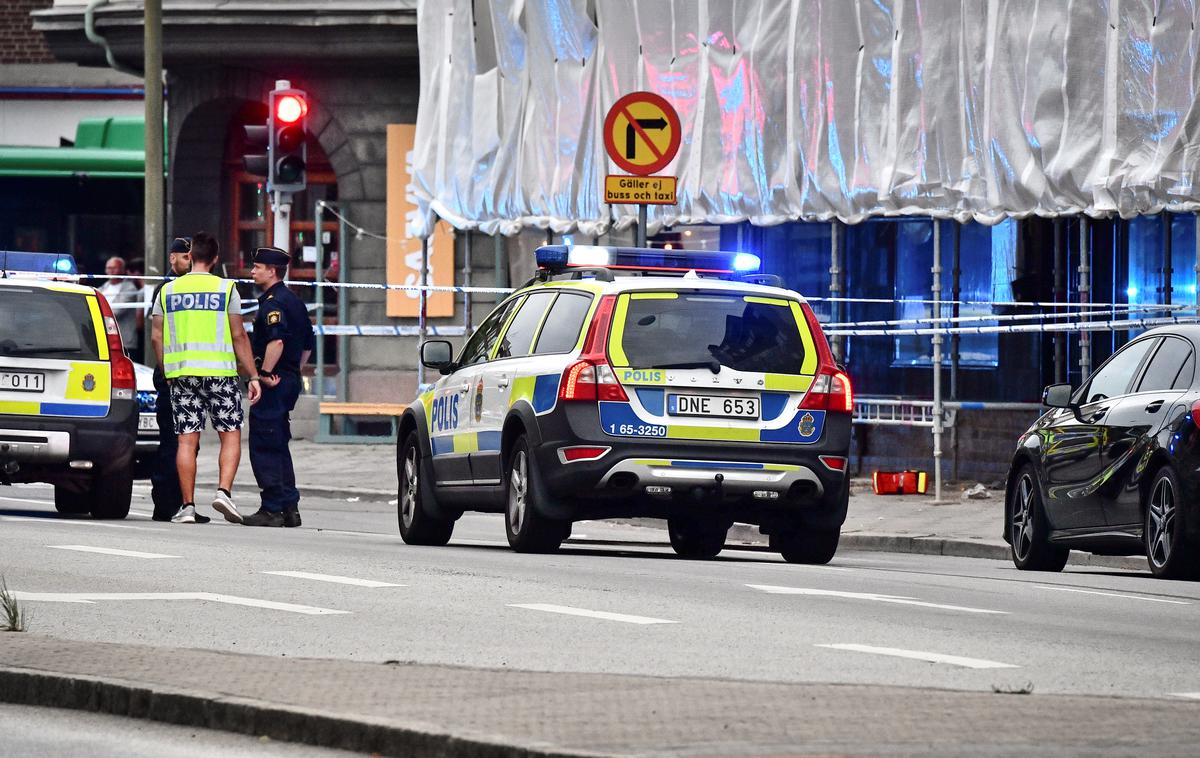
37 263
560 257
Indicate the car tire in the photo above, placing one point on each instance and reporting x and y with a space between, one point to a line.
528 529
1167 549
695 538
70 502
1028 528
814 547
112 493
415 498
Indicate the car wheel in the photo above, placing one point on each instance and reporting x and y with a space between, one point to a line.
70 501
528 529
694 538
111 493
1028 529
415 496
1167 550
806 546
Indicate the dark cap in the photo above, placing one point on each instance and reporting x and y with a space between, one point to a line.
181 245
272 256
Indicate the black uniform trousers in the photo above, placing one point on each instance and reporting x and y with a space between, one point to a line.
164 476
270 431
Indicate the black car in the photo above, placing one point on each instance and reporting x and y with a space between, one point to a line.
1114 467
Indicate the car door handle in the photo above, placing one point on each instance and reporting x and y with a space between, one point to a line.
502 382
465 387
1154 407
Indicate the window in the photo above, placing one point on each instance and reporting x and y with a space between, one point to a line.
1114 377
479 346
1170 368
51 325
1146 280
561 332
518 338
697 331
987 255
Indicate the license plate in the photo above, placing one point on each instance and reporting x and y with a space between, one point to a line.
22 381
146 421
719 406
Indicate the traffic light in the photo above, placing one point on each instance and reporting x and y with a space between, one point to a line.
254 158
287 128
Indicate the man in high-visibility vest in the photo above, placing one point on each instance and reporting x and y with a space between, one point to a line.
200 342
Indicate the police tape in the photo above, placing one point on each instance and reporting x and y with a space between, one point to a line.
1066 313
1118 325
6 274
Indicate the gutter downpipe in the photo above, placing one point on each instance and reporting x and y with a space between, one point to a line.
89 29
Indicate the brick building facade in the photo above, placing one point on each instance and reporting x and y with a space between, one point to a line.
19 41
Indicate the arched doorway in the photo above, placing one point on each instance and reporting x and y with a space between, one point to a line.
250 220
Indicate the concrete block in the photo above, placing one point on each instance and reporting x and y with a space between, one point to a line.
383 386
392 353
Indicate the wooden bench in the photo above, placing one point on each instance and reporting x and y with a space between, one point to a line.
328 410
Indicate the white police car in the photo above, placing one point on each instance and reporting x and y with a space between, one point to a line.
635 382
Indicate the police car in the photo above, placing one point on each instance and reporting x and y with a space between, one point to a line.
635 382
68 411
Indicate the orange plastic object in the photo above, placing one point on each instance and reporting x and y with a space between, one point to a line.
899 482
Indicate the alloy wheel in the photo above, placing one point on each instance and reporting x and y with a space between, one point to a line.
1161 522
1021 527
518 492
408 499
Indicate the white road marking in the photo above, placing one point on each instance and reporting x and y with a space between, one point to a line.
334 579
26 500
896 599
145 514
110 551
569 611
1112 594
378 535
766 560
95 597
72 522
919 655
1188 695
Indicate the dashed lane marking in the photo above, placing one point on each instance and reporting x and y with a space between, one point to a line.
569 611
920 655
111 551
334 579
1112 594
97 597
871 596
73 522
1188 695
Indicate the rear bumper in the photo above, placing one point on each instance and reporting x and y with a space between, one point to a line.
106 443
772 485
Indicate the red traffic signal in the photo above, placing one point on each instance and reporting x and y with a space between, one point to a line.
290 108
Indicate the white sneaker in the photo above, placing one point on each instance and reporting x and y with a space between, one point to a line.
223 504
186 515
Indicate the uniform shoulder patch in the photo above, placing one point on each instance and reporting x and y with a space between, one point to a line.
273 318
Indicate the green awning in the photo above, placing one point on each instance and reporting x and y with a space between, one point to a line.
105 148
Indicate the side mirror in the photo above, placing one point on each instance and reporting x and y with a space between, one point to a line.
1057 396
437 354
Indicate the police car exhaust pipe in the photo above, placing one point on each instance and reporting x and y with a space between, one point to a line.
81 464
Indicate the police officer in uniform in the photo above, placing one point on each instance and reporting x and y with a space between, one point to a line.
282 341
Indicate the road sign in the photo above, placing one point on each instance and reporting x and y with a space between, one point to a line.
641 133
633 190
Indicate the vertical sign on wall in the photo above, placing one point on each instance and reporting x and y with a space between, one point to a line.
403 251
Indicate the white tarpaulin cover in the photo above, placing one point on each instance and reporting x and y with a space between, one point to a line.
810 109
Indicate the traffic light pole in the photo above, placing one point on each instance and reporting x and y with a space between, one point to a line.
281 236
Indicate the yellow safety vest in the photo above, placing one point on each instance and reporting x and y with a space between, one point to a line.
196 336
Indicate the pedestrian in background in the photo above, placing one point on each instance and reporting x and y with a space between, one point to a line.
123 294
200 342
164 477
282 341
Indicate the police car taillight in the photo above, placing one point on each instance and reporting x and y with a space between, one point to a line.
591 377
830 391
124 380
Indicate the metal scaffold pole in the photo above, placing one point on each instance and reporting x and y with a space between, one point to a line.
423 314
155 238
1085 297
319 219
835 286
1060 296
936 290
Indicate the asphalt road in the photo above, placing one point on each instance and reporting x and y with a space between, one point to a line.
615 600
53 733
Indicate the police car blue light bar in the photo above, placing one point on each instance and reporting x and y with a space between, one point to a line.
37 263
560 257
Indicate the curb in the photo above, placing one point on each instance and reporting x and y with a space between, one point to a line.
210 710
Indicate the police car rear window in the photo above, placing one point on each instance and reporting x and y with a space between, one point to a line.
670 330
37 323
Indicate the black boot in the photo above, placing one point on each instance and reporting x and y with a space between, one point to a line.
263 518
291 516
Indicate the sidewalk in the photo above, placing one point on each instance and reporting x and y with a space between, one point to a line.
893 523
449 712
